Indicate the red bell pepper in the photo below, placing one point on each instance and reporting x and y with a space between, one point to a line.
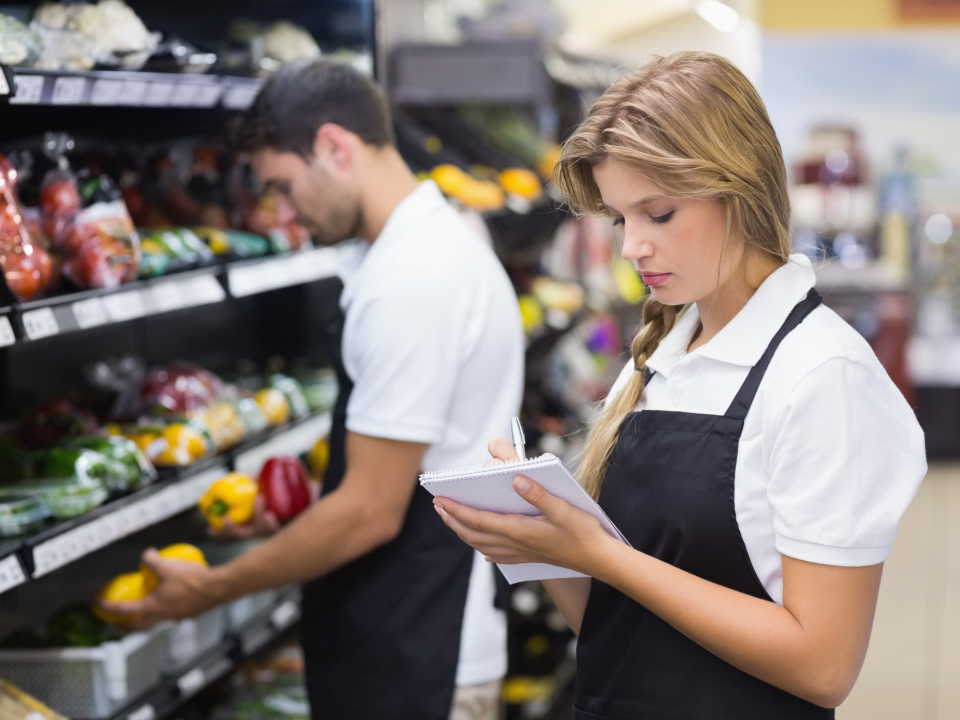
283 484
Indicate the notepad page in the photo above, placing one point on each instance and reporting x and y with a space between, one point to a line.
491 489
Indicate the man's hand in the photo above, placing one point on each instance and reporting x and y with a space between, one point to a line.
186 589
263 524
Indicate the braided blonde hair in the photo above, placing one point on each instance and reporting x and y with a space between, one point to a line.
694 125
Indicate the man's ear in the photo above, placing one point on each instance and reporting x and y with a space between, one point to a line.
334 144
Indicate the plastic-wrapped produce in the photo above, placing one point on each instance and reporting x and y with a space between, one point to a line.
83 34
90 223
26 266
19 45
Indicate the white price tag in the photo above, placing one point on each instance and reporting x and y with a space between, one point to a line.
89 313
6 332
133 92
284 614
11 574
192 681
208 95
144 712
158 94
240 96
106 92
185 94
68 91
315 264
29 89
40 323
124 306
4 85
202 290
167 296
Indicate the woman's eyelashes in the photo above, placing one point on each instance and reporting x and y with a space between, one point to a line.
660 219
618 221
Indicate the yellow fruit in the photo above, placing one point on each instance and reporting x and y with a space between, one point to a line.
177 456
319 459
548 161
531 313
123 588
627 281
450 179
233 496
184 436
520 182
274 405
184 552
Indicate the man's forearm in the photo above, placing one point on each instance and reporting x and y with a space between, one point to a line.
332 532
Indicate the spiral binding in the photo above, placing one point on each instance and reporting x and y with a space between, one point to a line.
482 471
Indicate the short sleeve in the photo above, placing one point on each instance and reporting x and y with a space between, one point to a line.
401 349
847 459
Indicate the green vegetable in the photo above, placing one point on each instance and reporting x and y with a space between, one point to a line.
82 464
77 626
127 466
291 388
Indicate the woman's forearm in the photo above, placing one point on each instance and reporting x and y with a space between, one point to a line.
813 647
570 596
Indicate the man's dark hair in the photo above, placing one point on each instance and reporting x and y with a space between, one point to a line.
294 103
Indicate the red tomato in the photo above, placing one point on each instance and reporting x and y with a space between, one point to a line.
59 196
44 265
22 275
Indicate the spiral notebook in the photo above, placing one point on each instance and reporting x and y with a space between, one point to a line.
491 488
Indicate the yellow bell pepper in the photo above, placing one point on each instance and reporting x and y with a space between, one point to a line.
274 405
319 458
231 497
123 588
521 182
183 552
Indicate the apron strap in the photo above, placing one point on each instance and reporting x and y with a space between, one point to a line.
744 399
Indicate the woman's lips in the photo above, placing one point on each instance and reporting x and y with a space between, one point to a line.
654 279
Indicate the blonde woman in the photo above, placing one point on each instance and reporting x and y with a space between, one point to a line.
754 452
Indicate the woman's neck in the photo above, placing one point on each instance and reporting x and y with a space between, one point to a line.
722 305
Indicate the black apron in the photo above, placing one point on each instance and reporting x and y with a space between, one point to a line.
669 489
381 636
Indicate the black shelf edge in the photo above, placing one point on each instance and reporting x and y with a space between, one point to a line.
59 545
47 318
222 659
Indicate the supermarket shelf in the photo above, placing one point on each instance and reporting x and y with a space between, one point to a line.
66 542
93 308
876 276
174 691
109 88
38 319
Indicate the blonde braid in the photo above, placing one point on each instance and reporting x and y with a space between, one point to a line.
658 321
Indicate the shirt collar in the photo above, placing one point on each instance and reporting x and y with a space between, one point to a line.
422 201
745 338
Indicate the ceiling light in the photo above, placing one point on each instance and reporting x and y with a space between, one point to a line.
723 17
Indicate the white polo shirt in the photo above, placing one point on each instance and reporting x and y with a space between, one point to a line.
434 345
831 454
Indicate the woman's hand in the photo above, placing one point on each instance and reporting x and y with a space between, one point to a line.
562 535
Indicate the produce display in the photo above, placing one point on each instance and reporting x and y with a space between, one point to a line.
26 266
87 219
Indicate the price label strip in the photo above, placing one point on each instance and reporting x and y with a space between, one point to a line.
295 441
6 332
192 682
124 306
167 296
133 92
158 94
240 96
185 94
144 712
74 544
106 92
202 290
29 89
11 574
285 614
89 313
40 323
208 95
68 91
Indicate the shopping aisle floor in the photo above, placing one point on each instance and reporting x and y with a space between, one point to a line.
912 670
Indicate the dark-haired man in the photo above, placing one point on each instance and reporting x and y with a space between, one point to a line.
397 612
